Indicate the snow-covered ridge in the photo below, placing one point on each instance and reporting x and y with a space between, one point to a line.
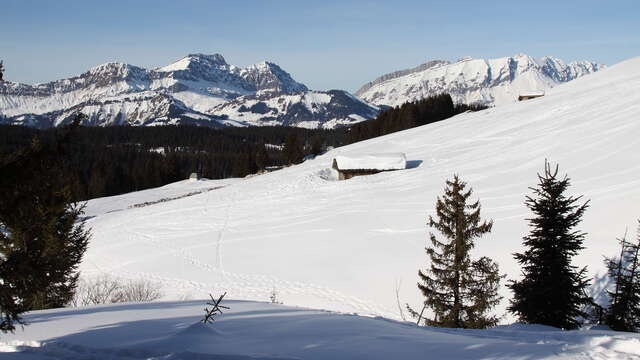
191 90
263 331
483 81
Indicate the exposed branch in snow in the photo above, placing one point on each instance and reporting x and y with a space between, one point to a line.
209 314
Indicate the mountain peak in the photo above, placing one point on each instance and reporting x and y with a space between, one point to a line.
266 75
101 73
109 67
217 59
195 60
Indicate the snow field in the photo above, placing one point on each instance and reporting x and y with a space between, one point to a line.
345 245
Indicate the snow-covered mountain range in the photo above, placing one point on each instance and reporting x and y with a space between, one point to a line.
484 81
197 89
206 90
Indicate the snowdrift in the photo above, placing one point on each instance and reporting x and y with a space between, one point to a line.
250 330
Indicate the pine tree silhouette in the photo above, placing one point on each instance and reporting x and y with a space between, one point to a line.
552 290
42 240
459 291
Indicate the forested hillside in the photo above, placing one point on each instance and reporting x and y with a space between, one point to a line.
113 160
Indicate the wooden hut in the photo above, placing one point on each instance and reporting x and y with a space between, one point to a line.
358 165
530 95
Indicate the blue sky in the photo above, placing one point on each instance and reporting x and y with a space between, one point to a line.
324 44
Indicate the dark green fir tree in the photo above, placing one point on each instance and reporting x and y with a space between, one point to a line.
459 292
42 238
552 291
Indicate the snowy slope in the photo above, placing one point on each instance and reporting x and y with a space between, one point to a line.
188 91
346 245
489 82
170 331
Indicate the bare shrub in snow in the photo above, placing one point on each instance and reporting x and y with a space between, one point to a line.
273 297
138 291
108 290
99 290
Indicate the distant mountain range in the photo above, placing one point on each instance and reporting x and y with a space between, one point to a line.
197 89
474 81
205 90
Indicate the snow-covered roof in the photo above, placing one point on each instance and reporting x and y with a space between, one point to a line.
532 93
391 161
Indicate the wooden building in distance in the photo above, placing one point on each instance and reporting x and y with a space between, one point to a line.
367 164
526 95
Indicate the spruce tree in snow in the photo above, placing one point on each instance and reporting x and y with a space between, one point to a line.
552 291
623 313
460 292
1 71
41 240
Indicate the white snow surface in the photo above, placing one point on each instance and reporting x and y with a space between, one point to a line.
251 330
393 161
346 245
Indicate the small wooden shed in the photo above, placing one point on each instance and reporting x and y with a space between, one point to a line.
530 95
367 164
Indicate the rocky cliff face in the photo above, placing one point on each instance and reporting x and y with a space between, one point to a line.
488 82
197 89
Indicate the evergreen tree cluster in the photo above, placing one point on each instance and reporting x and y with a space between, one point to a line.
461 292
623 313
42 238
115 160
119 159
408 115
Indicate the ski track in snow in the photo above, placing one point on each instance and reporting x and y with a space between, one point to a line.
244 286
